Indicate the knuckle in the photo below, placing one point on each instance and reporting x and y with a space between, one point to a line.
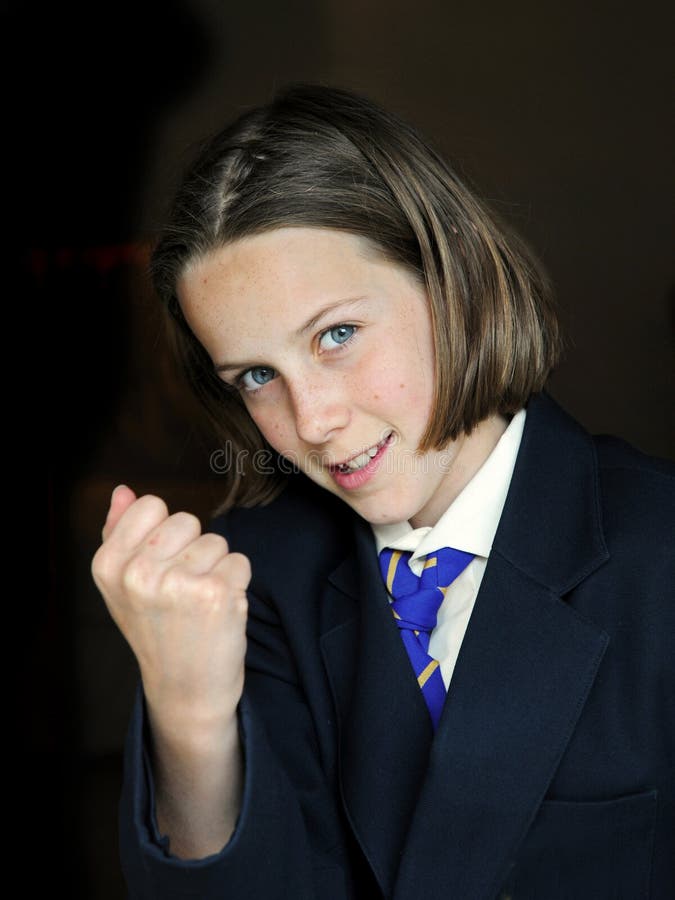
101 568
187 522
207 544
240 566
151 508
138 574
212 591
217 596
174 584
153 503
217 539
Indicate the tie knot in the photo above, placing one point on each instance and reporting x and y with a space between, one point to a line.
418 597
440 568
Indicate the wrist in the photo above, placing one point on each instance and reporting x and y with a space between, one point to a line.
199 776
194 731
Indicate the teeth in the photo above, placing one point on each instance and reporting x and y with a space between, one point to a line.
359 461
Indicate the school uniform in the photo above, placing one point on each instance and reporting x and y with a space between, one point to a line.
551 775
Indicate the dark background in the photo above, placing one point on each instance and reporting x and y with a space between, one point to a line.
560 114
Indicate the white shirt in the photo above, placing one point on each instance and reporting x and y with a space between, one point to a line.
470 524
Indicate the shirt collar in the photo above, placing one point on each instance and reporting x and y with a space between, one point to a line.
470 522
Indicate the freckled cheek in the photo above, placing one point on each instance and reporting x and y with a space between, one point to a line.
389 390
276 429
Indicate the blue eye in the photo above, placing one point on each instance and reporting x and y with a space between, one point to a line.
256 377
340 334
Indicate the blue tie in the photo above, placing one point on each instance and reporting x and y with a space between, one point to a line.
415 607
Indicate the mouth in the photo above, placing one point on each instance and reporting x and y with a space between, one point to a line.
362 459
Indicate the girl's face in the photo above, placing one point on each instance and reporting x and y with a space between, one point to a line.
331 348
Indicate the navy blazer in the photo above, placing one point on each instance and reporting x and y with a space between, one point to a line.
552 773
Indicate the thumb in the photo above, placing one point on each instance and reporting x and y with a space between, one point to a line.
120 501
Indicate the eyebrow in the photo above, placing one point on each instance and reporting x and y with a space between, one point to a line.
307 326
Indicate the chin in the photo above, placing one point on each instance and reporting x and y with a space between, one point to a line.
389 516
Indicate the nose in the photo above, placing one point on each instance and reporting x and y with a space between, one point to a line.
320 411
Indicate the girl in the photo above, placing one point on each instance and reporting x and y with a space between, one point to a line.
429 652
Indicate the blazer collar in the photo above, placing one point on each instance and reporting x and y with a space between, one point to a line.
551 525
460 803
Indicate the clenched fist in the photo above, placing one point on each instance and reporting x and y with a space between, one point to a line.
179 598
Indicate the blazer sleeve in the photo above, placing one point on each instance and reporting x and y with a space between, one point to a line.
289 840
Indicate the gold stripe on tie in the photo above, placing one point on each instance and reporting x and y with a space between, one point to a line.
396 615
426 673
431 561
391 570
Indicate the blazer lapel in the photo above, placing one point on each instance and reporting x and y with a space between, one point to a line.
525 670
445 817
523 675
385 730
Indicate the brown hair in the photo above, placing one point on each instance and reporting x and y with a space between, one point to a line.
325 157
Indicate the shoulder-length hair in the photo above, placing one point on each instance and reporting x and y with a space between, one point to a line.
325 157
